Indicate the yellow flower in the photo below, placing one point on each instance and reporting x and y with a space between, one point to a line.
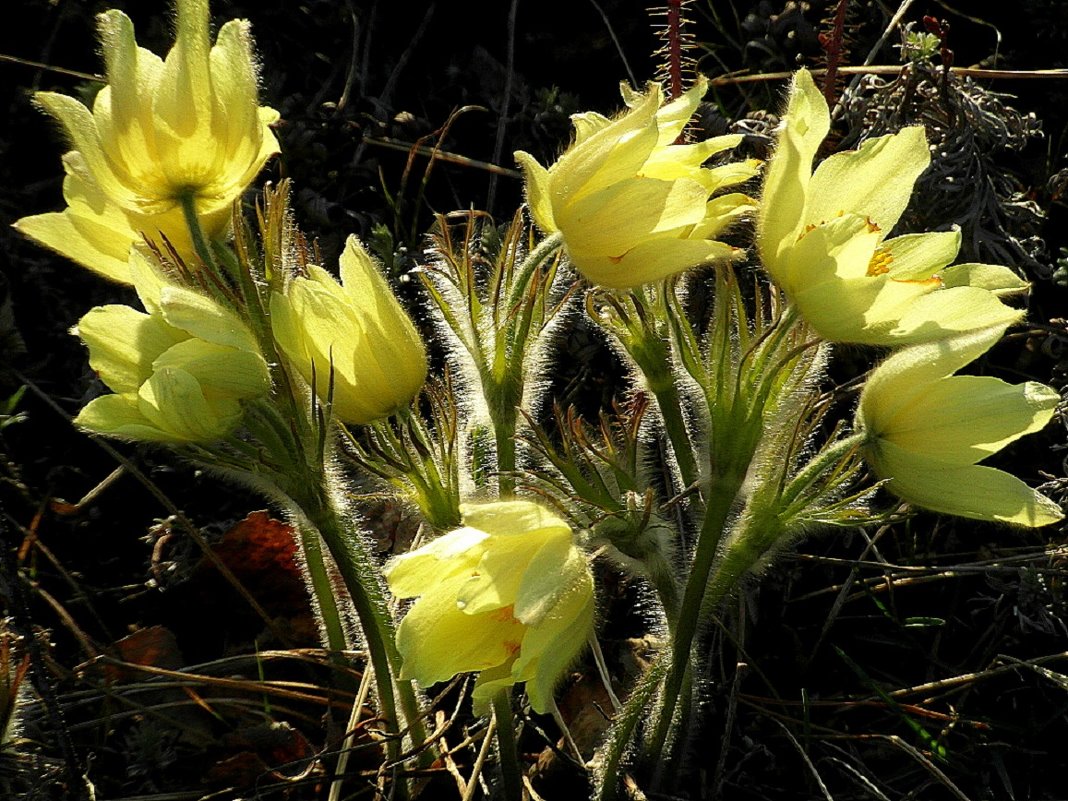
509 595
822 237
178 372
188 126
926 429
358 329
632 205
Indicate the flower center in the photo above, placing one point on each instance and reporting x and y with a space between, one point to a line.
880 263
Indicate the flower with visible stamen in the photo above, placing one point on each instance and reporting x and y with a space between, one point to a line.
823 238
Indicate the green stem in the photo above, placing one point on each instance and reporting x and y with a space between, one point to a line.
323 591
635 710
670 404
361 579
507 753
824 460
196 233
544 249
722 492
504 434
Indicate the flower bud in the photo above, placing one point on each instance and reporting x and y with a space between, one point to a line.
509 595
356 330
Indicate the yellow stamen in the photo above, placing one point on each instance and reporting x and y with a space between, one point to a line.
880 263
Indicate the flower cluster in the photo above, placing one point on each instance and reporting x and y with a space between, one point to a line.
261 359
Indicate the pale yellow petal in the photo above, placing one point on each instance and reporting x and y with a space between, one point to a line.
83 240
672 117
205 319
960 420
552 645
173 401
119 416
720 213
437 640
914 257
874 181
489 683
617 218
973 491
947 312
614 153
1002 281
123 343
895 384
222 372
458 552
80 126
650 261
510 518
536 181
588 123
506 566
786 178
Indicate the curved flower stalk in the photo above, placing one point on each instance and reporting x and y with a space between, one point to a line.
356 331
822 237
924 430
633 206
509 595
166 138
179 372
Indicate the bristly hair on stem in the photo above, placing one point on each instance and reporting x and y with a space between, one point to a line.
670 22
834 44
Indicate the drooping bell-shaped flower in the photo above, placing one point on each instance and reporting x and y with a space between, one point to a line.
356 330
822 237
179 371
510 596
185 127
633 206
925 429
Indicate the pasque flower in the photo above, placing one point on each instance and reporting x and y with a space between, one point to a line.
179 371
510 595
632 205
355 330
926 428
822 237
187 127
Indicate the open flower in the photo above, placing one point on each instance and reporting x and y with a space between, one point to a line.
356 330
926 428
822 237
632 205
187 127
509 595
178 371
